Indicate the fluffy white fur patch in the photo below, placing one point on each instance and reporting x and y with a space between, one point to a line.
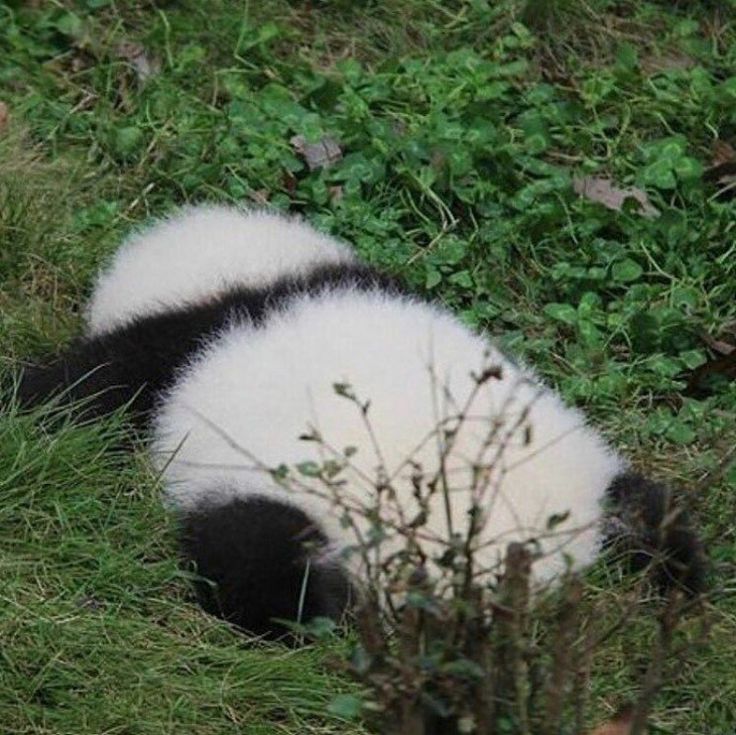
254 390
200 252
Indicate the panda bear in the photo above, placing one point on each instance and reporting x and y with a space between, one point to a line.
256 352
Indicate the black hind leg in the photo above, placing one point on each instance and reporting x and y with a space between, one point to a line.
79 376
127 366
259 564
646 525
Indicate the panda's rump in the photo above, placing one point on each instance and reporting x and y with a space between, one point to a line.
307 371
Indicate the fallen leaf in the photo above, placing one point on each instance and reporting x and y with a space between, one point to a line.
336 193
259 196
717 345
612 728
79 63
722 171
136 55
667 62
4 116
289 182
90 603
604 191
723 152
619 725
321 154
724 365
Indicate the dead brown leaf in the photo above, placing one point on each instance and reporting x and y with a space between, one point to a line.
289 182
724 366
604 191
322 154
336 193
717 345
620 725
722 171
135 54
672 61
723 152
612 728
259 196
4 116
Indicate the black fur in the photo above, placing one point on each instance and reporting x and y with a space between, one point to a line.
252 555
132 364
650 529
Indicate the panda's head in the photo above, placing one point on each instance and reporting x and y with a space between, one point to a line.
645 525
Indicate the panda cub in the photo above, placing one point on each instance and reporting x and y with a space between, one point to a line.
245 341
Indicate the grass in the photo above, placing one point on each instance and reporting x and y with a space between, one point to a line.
462 126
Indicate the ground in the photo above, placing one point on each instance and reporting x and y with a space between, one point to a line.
469 134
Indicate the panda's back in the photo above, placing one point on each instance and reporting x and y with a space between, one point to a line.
200 253
242 405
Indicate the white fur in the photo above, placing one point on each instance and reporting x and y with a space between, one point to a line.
261 387
200 252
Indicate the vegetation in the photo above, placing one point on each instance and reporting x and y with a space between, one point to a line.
484 147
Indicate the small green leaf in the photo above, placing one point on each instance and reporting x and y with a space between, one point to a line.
660 174
688 168
562 313
360 659
687 297
280 473
464 668
309 469
729 87
512 69
627 57
556 519
432 278
679 433
589 333
319 628
693 359
686 27
589 303
666 366
452 250
462 279
672 149
70 24
627 270
346 706
127 140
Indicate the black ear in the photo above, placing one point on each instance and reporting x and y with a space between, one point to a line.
261 561
645 524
